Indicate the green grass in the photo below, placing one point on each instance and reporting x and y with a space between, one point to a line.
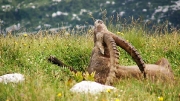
44 81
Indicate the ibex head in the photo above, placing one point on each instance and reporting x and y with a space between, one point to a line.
100 26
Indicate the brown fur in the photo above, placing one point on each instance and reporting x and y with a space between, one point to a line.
101 27
102 39
154 71
106 65
99 42
160 70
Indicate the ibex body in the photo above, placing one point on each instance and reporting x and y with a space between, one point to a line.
105 57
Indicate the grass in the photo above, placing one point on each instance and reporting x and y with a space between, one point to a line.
27 54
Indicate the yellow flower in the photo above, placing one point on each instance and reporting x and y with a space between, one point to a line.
116 99
88 76
16 43
59 94
25 35
69 82
78 76
160 98
122 33
108 90
118 32
179 42
90 31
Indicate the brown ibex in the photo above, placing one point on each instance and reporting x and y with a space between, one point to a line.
105 57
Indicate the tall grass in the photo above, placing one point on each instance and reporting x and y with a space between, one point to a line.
27 54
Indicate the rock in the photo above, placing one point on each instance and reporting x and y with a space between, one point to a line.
14 78
90 87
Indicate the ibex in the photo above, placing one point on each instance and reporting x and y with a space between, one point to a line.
105 57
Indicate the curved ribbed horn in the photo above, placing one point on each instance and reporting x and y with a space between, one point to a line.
56 61
101 27
132 52
114 57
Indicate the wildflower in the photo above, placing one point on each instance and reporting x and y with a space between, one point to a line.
88 76
154 45
179 42
78 76
16 43
116 99
118 32
69 82
59 94
160 98
90 31
25 35
122 34
108 90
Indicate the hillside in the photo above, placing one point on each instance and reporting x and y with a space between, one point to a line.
34 15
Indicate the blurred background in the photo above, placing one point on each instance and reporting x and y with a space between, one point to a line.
34 15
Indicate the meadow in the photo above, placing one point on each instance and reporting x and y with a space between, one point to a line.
28 53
